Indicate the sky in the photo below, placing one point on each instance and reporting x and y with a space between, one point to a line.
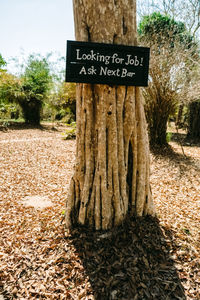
35 26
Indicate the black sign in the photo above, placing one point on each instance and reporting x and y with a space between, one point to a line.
107 64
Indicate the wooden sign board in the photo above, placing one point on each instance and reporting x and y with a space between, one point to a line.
107 64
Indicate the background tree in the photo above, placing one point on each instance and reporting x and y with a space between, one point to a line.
188 12
10 91
28 90
193 96
36 83
111 178
173 51
194 121
63 101
2 63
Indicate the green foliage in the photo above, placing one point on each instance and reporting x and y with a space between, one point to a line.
186 11
36 78
9 110
67 96
10 88
2 63
39 90
36 83
30 90
159 24
70 133
162 29
63 102
168 137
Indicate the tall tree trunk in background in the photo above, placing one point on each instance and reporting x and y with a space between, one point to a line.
194 121
180 115
111 178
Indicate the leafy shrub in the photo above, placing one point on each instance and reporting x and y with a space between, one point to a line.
30 90
70 133
36 83
63 102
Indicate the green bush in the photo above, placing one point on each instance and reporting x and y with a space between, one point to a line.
10 111
62 103
36 83
30 90
70 133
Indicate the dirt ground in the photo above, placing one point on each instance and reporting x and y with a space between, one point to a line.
144 259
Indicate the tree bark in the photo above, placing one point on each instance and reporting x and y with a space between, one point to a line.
158 127
111 178
194 121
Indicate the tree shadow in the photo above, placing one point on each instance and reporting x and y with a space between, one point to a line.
180 160
184 139
130 262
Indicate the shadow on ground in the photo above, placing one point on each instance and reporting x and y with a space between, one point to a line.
132 262
182 138
180 160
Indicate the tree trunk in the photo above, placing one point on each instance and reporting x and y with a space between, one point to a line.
158 128
179 122
194 121
31 111
111 178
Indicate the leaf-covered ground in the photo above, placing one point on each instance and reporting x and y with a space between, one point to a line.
144 259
